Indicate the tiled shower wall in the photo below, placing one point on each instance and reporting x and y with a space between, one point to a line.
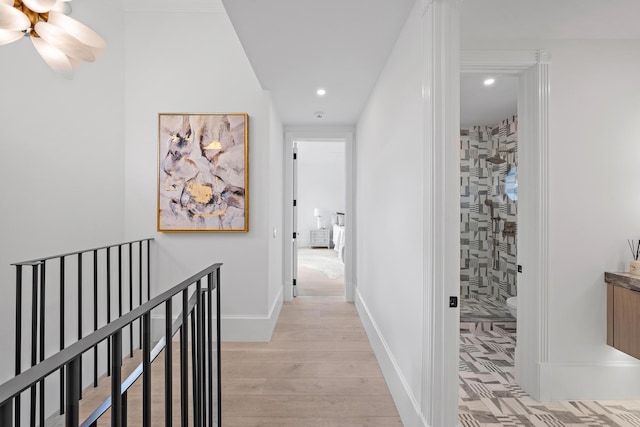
486 271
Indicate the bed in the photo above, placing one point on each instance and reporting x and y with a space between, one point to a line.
338 237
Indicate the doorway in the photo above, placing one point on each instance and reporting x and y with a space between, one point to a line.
488 200
319 214
293 213
488 239
532 70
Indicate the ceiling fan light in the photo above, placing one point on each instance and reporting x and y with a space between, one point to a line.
7 36
39 6
54 58
12 19
78 30
64 42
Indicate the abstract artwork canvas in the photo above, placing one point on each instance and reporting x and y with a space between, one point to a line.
203 166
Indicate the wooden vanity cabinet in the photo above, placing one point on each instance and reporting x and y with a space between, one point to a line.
623 319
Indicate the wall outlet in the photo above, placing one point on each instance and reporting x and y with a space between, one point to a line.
519 268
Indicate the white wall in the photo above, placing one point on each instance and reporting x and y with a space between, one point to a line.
63 162
321 184
192 61
593 208
390 217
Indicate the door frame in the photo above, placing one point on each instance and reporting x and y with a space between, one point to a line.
345 135
532 67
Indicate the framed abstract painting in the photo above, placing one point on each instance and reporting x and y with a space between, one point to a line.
203 172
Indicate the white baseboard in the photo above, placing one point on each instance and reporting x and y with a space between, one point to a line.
406 402
589 381
236 328
239 328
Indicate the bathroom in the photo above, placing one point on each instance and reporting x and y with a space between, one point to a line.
488 202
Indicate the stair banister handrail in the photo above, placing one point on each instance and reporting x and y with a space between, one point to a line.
13 387
50 257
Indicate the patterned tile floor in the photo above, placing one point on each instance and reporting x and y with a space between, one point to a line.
483 307
489 396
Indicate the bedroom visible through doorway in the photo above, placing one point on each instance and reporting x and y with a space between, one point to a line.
320 185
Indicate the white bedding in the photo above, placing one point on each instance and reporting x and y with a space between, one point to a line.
338 240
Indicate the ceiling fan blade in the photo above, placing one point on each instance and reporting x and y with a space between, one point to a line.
64 42
12 19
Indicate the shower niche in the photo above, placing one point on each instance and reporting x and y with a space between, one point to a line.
488 220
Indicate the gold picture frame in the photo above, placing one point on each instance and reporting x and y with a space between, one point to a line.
203 172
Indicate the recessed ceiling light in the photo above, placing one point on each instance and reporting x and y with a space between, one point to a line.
321 92
489 82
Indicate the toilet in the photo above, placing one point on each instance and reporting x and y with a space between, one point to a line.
512 305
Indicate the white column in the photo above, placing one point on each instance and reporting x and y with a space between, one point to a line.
441 89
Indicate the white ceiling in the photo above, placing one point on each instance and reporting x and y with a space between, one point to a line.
550 19
487 105
297 46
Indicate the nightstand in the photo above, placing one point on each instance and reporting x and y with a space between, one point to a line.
320 238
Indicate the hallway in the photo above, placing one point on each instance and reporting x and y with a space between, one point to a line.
318 370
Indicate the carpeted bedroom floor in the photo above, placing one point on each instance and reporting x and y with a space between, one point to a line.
320 273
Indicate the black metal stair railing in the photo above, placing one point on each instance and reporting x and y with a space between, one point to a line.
195 323
51 278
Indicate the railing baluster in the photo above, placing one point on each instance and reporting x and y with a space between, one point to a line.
194 370
108 309
6 413
62 297
125 409
210 348
116 379
130 297
184 361
72 418
95 315
219 346
140 283
168 365
148 270
146 370
120 281
18 349
34 337
200 355
80 314
42 336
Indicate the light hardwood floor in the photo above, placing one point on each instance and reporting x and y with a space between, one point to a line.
315 283
318 370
